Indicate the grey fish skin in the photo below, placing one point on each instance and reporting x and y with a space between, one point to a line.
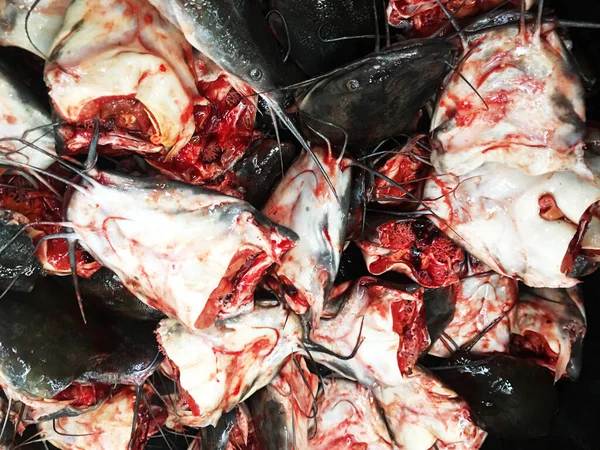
234 34
44 345
392 84
273 431
260 169
105 291
135 357
17 254
217 437
308 23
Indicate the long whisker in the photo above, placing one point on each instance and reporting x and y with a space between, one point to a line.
406 215
309 354
292 128
5 421
388 41
376 16
462 77
29 225
58 159
39 127
287 32
173 404
467 348
314 406
56 177
538 21
321 349
73 264
522 29
447 24
450 17
21 173
136 407
343 38
72 434
18 421
577 24
160 428
333 125
37 247
274 119
27 17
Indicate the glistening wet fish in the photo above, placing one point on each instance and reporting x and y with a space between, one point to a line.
392 84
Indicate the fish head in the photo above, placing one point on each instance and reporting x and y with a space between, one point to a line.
396 83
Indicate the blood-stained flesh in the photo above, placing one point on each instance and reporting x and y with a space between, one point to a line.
393 333
23 117
121 62
414 247
426 16
221 366
284 409
42 205
510 74
407 166
107 427
479 300
44 23
224 119
497 213
305 203
549 325
348 417
192 253
421 412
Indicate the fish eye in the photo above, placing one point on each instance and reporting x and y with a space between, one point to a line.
353 85
255 74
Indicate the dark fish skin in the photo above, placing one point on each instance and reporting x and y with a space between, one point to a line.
105 291
15 256
134 359
440 308
44 344
509 397
259 170
235 35
304 19
391 85
358 203
217 437
274 426
352 265
28 69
